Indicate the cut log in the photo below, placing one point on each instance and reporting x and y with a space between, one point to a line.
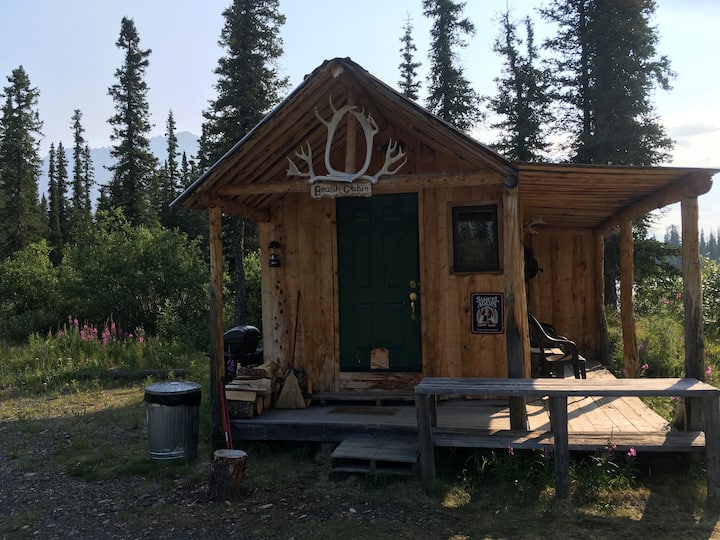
227 471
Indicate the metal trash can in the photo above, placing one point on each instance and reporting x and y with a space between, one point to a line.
173 415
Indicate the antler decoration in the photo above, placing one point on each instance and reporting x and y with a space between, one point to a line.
393 154
307 158
530 226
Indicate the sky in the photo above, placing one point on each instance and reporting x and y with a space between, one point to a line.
68 49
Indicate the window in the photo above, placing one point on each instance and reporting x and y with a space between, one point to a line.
475 239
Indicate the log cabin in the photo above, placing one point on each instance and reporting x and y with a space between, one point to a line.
396 244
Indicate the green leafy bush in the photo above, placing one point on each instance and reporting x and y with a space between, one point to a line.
151 278
29 293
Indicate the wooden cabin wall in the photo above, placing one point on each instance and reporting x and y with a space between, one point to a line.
563 294
450 349
305 229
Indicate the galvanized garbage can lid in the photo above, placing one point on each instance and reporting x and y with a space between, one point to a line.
174 393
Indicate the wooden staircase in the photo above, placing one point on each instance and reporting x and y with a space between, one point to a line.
376 455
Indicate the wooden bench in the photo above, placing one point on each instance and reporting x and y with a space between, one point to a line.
558 391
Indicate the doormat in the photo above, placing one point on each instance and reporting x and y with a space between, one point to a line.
385 411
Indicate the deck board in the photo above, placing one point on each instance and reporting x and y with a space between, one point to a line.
592 422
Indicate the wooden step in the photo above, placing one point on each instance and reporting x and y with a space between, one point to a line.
376 455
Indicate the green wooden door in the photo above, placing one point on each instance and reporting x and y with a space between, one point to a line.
378 271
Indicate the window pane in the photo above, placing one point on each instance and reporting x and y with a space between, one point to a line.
475 238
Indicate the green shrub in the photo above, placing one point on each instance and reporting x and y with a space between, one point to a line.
152 278
29 296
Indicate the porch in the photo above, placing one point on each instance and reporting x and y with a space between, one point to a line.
476 423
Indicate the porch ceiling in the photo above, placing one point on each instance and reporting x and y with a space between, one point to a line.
600 197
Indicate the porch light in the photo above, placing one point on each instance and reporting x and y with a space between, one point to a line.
274 261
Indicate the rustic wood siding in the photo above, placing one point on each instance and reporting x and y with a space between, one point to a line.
305 229
450 349
563 293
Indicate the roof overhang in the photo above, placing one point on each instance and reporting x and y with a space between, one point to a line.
253 174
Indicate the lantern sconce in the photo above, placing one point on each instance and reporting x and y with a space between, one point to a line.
274 261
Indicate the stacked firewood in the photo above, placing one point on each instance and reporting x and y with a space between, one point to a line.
251 391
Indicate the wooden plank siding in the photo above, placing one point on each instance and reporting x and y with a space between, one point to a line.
306 231
563 293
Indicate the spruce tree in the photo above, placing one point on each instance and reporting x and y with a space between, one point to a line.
62 185
522 102
608 67
55 237
21 215
450 95
82 179
135 165
170 177
248 86
409 84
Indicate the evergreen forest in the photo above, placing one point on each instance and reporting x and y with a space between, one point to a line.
127 259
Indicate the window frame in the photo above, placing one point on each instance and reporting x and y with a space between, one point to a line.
460 266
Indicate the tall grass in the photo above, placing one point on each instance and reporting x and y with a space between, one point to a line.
56 361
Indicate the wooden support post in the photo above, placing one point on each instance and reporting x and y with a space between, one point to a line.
604 343
516 320
559 426
711 411
427 449
217 352
693 305
227 471
627 315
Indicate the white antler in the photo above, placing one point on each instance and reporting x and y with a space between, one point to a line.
307 158
393 154
529 227
370 129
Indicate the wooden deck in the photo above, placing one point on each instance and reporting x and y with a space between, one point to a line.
593 422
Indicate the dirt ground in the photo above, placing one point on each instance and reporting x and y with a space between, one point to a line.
48 446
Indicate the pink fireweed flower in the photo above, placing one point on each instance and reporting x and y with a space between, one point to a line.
708 370
140 339
76 323
511 451
644 367
665 300
632 452
678 296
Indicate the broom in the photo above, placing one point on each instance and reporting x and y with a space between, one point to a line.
290 396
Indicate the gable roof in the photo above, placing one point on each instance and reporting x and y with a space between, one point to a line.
252 175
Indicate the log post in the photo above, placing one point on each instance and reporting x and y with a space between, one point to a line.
604 343
627 310
227 471
217 352
516 320
692 304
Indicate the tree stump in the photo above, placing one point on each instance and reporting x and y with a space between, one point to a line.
227 471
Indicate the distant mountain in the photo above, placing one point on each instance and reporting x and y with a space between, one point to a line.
187 142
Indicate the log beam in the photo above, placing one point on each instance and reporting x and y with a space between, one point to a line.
393 184
233 208
691 185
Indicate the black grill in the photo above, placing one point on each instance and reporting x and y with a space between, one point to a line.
241 344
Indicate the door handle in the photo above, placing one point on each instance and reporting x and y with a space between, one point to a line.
413 299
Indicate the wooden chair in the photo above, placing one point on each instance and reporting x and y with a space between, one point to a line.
550 353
